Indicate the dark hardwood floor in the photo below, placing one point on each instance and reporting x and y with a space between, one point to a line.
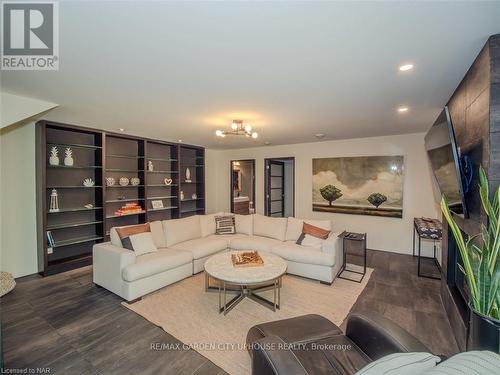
65 323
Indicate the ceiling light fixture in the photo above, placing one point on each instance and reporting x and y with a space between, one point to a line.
238 128
402 109
406 67
121 129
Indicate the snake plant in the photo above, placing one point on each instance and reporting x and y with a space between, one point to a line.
481 263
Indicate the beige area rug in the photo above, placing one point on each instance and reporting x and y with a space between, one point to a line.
190 314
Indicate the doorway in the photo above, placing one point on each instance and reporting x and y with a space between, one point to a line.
242 186
279 186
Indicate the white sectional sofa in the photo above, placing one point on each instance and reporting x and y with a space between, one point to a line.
185 244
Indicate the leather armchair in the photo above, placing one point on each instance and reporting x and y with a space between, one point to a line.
311 344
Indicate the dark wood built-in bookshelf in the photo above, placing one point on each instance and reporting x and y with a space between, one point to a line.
99 155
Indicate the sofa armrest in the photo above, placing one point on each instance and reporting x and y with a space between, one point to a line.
271 356
108 263
377 336
332 244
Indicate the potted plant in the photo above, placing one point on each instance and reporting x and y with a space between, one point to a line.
481 267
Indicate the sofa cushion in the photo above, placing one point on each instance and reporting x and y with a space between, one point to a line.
244 224
202 247
207 223
158 234
272 227
301 254
406 363
180 230
295 226
227 237
160 261
254 243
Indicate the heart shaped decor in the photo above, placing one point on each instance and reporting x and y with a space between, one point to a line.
168 181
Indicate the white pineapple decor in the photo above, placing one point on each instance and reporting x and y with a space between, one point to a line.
54 158
68 160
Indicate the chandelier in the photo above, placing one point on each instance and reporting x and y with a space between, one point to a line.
238 128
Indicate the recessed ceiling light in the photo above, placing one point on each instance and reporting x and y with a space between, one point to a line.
267 143
406 67
179 140
402 109
319 135
121 129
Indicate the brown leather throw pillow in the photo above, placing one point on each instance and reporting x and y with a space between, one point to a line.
315 231
126 232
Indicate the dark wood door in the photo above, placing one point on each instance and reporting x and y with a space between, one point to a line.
275 196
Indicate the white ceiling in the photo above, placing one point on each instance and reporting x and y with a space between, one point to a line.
181 70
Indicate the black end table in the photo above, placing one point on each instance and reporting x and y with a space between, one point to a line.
427 229
355 244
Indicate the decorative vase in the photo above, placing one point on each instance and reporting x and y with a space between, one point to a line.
54 159
68 159
483 332
182 195
110 181
135 181
123 181
151 167
54 203
188 175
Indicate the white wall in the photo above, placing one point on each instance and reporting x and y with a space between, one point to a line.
18 200
15 108
390 234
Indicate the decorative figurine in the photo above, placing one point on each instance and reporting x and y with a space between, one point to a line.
54 203
188 175
135 181
168 181
68 160
54 159
182 195
123 181
110 181
151 167
89 206
194 196
88 182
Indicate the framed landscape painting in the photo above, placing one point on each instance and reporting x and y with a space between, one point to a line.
365 185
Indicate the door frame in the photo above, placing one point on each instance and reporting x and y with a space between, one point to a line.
267 184
231 182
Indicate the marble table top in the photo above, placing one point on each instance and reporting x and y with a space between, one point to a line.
221 267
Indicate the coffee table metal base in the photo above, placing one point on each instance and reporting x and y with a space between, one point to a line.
244 291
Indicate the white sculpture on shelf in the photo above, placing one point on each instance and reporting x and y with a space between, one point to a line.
54 204
68 160
88 182
188 175
151 167
194 196
54 159
182 195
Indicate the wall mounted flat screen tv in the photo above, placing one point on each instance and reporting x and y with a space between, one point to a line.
446 162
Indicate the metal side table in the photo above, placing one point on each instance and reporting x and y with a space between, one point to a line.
427 229
353 244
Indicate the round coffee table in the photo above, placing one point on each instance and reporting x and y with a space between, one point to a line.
245 281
